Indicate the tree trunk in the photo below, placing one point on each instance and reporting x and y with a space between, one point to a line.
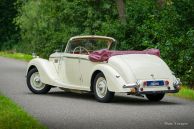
161 3
121 10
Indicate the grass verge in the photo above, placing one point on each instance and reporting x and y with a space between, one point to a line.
185 92
19 56
14 117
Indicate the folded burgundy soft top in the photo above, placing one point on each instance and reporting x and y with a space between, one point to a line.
104 55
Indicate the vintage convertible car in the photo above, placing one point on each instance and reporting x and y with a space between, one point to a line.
89 64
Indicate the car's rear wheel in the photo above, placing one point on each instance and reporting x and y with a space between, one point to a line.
155 97
34 83
101 92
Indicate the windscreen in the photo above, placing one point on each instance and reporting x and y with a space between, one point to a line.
90 44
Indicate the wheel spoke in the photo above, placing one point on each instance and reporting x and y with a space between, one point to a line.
101 87
36 82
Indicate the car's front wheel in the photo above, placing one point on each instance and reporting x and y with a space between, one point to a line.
155 97
101 92
34 83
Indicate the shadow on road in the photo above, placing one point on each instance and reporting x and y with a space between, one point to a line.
123 100
83 96
130 100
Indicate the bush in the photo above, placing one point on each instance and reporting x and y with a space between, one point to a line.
8 33
47 24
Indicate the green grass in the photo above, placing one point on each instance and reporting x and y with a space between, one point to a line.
185 92
14 117
19 56
11 115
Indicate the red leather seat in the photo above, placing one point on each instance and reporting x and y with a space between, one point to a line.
104 55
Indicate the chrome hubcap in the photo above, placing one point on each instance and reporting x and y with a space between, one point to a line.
101 87
36 82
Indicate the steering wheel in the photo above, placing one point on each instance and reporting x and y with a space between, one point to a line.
77 48
80 50
85 50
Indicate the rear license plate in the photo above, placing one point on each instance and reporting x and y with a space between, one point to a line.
155 83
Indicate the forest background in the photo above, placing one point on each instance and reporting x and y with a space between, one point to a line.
42 26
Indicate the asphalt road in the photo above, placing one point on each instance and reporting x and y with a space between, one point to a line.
61 110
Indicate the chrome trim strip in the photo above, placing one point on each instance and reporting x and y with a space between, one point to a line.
54 57
132 85
75 58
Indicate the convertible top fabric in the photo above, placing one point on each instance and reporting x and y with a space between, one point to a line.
104 55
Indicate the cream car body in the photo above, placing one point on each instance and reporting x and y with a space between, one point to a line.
123 73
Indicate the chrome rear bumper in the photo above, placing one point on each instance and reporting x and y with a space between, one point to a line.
136 88
158 92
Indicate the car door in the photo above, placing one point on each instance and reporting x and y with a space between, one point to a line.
86 67
69 69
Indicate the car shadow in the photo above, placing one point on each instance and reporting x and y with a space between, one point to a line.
130 100
84 96
123 100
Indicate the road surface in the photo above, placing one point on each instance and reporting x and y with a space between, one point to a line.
61 110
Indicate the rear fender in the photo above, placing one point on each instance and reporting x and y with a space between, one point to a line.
114 80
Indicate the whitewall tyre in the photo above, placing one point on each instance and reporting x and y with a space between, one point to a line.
34 83
101 92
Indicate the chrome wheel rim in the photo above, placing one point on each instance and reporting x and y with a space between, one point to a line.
36 82
101 87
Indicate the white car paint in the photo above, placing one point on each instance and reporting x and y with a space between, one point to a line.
75 71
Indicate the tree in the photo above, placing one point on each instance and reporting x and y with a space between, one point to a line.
121 10
136 24
161 3
8 32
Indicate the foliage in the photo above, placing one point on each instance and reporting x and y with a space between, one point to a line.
185 92
14 117
47 24
167 29
8 31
